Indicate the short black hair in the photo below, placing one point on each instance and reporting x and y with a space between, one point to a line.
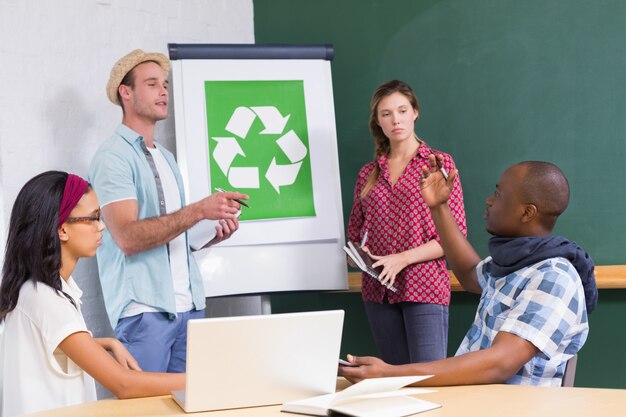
547 188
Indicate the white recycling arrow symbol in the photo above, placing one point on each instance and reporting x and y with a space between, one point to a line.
271 118
228 148
225 152
240 121
279 175
292 146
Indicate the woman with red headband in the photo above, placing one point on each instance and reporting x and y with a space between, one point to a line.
49 356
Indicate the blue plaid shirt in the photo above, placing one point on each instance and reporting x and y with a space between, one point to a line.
543 303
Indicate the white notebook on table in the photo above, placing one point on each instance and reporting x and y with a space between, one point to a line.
375 397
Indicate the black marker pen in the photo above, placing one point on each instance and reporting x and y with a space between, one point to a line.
220 190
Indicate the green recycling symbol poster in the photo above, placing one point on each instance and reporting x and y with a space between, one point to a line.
258 145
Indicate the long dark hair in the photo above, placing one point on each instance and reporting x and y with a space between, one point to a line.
33 249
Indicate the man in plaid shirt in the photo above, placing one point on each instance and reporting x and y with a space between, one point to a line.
536 289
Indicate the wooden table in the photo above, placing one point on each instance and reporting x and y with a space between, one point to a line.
465 401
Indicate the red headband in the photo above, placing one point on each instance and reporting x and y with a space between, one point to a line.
74 190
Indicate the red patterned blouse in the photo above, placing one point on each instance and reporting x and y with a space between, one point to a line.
397 219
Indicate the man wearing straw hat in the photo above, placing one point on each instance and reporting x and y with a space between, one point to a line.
150 282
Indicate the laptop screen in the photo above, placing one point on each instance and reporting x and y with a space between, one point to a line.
248 361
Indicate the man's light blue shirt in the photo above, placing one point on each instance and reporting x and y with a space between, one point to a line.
120 171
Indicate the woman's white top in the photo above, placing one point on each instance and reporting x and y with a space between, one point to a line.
37 374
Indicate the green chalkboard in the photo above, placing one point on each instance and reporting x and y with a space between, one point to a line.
498 81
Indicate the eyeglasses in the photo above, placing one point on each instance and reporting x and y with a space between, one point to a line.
84 219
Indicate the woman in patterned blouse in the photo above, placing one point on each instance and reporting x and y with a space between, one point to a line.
410 325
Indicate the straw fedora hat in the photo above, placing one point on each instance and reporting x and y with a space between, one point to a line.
127 63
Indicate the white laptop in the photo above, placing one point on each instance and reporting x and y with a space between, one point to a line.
249 361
